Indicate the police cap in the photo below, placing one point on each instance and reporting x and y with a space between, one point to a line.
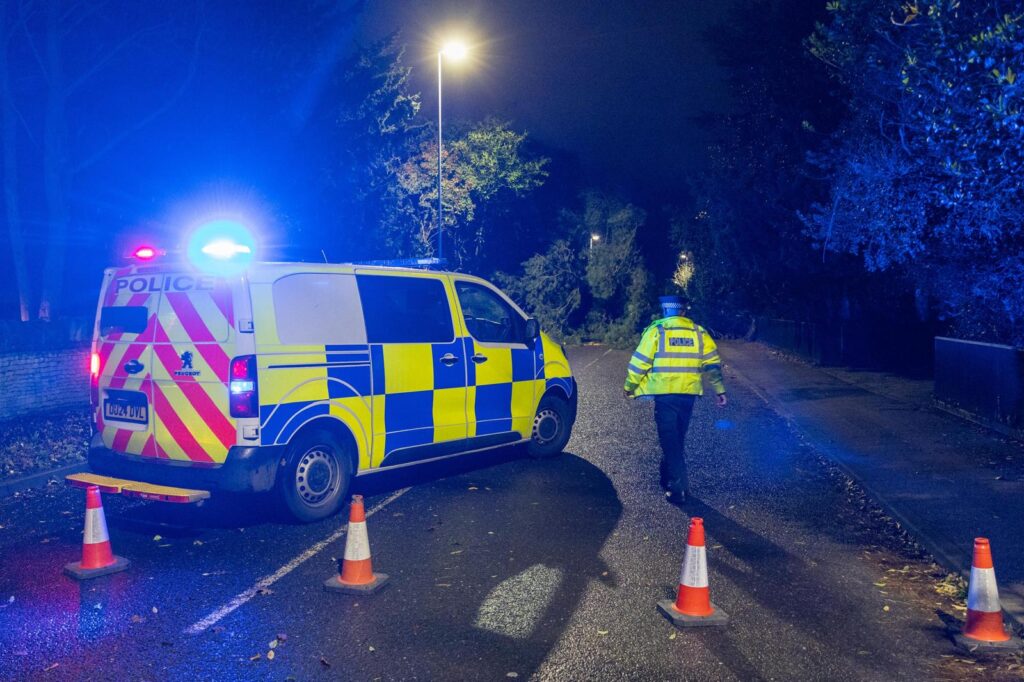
672 301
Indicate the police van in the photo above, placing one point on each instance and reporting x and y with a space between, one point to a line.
295 377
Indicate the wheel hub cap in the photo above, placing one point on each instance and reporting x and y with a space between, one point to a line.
546 426
316 476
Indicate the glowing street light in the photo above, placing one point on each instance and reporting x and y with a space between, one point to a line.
594 238
456 50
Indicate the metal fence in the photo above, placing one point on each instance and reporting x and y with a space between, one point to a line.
984 381
899 347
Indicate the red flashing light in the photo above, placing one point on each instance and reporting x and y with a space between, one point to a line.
94 378
243 388
145 253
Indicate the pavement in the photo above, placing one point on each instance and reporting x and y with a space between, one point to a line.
501 567
945 479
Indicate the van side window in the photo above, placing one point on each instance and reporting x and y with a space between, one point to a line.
488 317
405 309
314 309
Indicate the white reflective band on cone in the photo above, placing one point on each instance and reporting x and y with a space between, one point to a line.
357 546
983 595
95 527
695 567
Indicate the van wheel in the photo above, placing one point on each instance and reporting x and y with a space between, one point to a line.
315 476
552 426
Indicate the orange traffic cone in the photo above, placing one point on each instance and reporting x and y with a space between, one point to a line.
97 557
984 627
357 576
693 607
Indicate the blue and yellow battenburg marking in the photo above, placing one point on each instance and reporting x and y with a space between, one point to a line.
412 394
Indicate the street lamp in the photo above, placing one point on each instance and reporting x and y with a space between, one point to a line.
455 50
594 238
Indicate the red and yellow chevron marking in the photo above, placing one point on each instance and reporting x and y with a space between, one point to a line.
190 413
116 350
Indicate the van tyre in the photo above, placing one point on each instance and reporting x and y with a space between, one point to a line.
313 481
552 426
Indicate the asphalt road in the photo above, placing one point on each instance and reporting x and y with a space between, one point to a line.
501 567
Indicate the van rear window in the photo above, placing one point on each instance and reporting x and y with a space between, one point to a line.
127 319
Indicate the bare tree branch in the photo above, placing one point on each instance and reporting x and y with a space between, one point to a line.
156 113
99 64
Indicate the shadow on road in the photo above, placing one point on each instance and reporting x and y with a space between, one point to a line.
489 559
799 593
226 510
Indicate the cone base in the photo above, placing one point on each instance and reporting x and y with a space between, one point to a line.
334 584
76 571
667 607
969 644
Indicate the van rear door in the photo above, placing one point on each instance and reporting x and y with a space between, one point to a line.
193 345
124 343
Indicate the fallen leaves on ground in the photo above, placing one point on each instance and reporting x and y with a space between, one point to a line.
34 444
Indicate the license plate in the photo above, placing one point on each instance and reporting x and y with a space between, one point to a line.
126 406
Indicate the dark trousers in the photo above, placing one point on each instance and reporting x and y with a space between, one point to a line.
672 415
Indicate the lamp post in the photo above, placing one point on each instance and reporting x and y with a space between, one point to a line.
455 50
594 238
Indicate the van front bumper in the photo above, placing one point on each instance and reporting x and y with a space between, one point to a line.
246 469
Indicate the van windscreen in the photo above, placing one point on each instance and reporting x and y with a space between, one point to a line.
123 319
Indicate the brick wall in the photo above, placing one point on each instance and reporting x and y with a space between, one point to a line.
31 383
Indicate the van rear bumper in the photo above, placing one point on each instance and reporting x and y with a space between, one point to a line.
246 469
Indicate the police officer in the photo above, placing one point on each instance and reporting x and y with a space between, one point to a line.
669 364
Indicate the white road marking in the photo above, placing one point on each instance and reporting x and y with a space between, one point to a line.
269 580
595 361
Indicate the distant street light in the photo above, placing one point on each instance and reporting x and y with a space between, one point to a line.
456 51
594 238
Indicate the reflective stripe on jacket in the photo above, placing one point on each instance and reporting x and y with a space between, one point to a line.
672 356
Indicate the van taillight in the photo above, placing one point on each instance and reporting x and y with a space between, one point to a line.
94 378
244 399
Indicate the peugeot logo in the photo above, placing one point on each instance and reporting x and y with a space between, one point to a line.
133 367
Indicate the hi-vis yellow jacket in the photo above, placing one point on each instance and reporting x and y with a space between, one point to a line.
672 356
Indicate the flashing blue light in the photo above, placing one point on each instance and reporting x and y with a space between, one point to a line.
225 247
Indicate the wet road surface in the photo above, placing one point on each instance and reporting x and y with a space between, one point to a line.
501 567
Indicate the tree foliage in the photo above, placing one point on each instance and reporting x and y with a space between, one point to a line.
550 287
484 164
925 169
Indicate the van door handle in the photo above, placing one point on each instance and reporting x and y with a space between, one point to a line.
448 359
478 358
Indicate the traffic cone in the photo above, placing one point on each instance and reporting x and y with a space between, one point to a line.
97 557
357 576
984 627
693 607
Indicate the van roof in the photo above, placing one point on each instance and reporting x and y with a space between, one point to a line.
177 266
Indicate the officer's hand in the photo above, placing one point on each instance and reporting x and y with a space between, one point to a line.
626 394
721 400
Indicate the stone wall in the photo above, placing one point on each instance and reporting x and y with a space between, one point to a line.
44 366
32 383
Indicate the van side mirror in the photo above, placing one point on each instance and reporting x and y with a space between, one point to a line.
532 330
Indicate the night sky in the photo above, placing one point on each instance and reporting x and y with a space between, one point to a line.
611 87
616 83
